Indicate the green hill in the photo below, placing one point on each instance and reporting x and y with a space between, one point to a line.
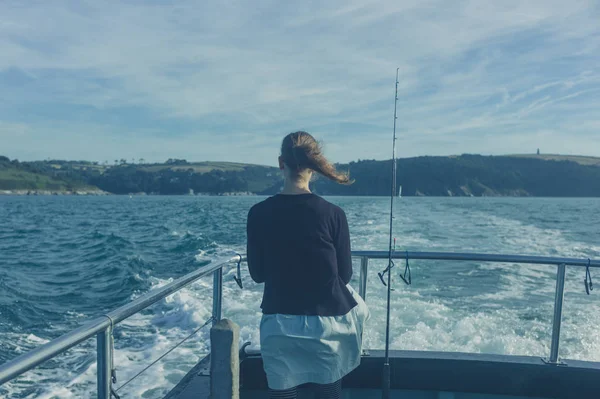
15 179
464 175
473 175
580 159
197 167
181 177
21 176
172 177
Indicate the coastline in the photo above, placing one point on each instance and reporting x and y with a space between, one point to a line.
97 192
54 192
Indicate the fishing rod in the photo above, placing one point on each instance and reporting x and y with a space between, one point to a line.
388 270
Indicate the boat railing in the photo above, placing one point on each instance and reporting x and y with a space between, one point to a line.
102 326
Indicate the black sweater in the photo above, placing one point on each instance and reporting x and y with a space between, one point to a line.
299 246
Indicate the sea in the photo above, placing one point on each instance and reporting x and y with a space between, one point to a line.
65 260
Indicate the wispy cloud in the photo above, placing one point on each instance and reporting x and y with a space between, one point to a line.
226 80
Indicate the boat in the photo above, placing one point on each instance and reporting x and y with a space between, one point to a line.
414 374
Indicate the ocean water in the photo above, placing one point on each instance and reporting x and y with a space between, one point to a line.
64 260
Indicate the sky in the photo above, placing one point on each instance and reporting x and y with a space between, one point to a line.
226 80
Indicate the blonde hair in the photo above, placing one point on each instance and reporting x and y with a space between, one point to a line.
300 151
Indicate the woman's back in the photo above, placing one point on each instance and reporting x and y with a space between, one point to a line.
298 245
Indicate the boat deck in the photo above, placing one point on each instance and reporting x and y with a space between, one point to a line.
430 375
196 383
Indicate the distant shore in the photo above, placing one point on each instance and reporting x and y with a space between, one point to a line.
467 175
97 193
52 192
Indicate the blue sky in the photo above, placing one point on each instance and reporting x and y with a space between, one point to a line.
227 80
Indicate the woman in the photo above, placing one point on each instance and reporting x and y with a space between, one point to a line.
299 246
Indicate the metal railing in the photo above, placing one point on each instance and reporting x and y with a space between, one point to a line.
102 326
560 263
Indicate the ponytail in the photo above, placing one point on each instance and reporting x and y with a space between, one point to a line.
301 151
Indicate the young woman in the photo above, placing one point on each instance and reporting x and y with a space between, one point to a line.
299 246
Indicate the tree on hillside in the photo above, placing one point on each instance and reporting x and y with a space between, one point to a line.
172 161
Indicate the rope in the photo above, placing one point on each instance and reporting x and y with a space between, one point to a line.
238 278
589 286
166 353
389 267
387 270
407 278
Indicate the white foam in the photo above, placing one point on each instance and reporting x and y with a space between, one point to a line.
201 256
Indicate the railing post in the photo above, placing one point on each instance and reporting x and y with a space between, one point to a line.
217 294
557 320
362 287
104 362
224 360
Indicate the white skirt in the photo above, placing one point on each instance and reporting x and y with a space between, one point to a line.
312 349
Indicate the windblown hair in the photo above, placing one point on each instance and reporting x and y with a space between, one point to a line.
300 151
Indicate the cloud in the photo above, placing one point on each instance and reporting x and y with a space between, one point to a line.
156 79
